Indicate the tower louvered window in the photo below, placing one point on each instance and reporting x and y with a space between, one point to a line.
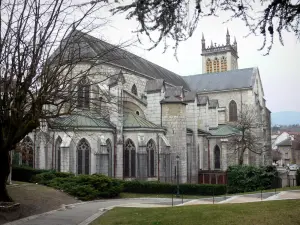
216 65
208 66
223 64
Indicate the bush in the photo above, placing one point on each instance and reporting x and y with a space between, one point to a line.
45 178
245 178
84 187
25 173
167 188
298 177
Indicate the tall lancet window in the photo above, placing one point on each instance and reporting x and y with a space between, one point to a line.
208 66
83 100
232 111
223 64
134 89
150 158
216 65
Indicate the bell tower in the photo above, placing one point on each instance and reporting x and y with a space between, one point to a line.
219 58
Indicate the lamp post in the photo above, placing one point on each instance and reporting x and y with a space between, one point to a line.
177 160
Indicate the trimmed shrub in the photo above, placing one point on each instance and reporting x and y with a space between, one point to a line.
167 188
45 178
245 178
25 173
84 187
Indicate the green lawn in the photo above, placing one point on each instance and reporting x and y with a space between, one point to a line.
138 195
257 213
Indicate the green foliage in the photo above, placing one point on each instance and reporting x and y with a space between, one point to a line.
147 187
25 173
298 177
244 178
84 187
45 178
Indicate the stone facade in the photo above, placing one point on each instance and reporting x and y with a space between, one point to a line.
148 128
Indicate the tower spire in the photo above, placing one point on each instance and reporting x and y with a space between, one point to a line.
203 42
227 38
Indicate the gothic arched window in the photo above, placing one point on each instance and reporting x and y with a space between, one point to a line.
134 89
129 159
208 66
83 100
223 64
232 111
83 157
216 65
217 157
27 151
58 153
150 157
109 150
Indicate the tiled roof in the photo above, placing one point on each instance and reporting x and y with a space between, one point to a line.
80 120
232 79
224 130
154 85
202 100
213 103
90 47
173 91
189 96
132 120
286 142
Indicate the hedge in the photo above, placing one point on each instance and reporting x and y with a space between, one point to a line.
147 187
84 187
25 173
245 178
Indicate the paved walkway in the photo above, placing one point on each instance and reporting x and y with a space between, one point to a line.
84 213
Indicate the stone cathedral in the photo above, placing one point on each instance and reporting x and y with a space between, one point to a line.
159 123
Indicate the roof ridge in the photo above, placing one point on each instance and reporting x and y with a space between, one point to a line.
137 56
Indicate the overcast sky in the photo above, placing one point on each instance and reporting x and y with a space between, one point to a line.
279 71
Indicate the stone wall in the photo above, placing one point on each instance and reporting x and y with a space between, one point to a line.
174 118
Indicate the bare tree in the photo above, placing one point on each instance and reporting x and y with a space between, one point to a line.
40 48
250 136
178 19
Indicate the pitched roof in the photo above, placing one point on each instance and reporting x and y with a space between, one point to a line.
80 120
174 91
286 142
213 103
224 130
189 96
202 100
232 79
91 47
154 85
132 120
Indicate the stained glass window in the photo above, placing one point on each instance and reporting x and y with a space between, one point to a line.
232 111
129 159
217 157
83 157
150 157
134 90
27 151
83 99
58 153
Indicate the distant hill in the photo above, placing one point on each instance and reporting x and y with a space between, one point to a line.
285 118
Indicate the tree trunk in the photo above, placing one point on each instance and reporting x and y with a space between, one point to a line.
241 157
4 173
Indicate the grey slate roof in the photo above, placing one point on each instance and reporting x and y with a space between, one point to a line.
173 91
233 79
154 85
213 103
94 48
202 100
172 99
189 96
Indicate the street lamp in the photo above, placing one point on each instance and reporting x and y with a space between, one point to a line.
177 160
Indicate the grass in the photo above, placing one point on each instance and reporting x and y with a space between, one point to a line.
258 213
37 199
142 195
138 195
